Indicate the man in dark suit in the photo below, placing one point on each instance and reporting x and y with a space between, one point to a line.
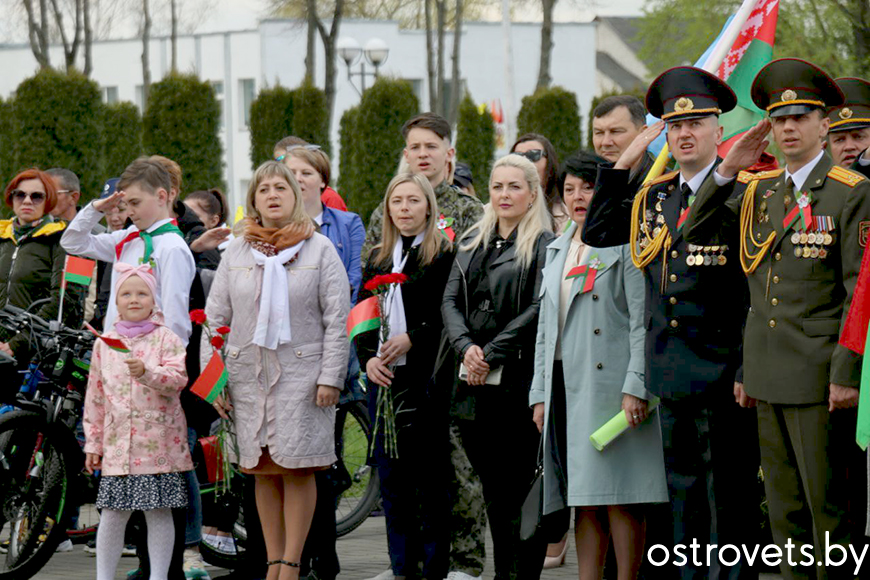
696 303
801 245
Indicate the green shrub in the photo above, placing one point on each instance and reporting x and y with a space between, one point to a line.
181 122
376 142
7 151
475 141
553 112
346 156
123 137
640 93
311 115
271 121
57 122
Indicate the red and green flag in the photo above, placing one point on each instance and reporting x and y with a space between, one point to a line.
751 51
363 317
212 380
78 270
854 337
115 344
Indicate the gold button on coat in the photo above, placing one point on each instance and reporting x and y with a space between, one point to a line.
673 278
674 324
675 254
772 323
776 279
777 256
672 300
774 301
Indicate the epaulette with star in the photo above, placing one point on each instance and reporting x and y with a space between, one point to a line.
747 176
664 178
845 176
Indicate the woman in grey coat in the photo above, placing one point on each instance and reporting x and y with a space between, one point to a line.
283 291
588 366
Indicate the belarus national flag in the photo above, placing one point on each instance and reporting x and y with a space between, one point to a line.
212 380
751 51
78 270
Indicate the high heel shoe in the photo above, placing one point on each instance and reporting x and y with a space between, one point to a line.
556 561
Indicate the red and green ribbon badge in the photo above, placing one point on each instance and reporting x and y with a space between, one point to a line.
445 225
685 213
587 272
802 211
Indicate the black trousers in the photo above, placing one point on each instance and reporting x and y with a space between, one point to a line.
503 449
319 552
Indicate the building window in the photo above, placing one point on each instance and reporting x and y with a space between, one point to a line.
140 98
246 90
218 87
417 87
110 95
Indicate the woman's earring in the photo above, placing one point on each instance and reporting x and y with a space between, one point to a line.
530 205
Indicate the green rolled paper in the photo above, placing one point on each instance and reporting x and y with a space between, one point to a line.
610 431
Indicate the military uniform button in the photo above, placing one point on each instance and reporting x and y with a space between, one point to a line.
673 278
674 324
672 300
772 323
597 331
774 301
675 254
777 256
776 279
599 366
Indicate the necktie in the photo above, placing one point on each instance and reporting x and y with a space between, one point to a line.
689 197
167 228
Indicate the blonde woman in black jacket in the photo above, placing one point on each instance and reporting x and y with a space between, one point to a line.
490 312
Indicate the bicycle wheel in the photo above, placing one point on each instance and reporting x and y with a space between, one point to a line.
84 521
353 428
231 508
38 463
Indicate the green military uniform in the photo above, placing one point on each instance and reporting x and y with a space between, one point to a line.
854 113
801 250
460 210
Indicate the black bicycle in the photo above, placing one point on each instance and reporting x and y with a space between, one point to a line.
40 458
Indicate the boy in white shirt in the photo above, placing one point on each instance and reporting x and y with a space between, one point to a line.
153 237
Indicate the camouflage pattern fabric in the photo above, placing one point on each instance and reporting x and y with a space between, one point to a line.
468 520
465 210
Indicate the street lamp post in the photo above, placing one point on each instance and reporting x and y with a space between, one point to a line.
376 52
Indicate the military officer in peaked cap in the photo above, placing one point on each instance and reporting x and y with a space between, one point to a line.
849 133
696 302
801 245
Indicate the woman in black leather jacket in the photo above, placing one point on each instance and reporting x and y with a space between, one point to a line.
490 311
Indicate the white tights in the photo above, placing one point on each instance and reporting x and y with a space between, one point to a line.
110 541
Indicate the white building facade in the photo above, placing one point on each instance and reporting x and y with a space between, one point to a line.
240 63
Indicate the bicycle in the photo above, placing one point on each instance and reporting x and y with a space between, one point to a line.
353 506
40 458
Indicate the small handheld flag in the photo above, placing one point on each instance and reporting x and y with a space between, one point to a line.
78 270
115 344
212 380
363 317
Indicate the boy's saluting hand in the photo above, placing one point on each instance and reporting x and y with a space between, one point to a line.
110 202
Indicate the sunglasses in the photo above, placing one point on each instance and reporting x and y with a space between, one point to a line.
36 197
292 147
532 155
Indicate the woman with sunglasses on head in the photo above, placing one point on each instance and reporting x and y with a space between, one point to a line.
31 259
538 149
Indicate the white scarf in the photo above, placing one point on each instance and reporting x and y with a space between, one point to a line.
394 302
273 319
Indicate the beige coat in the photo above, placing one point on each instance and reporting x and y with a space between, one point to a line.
273 392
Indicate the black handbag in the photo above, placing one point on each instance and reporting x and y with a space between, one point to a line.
533 506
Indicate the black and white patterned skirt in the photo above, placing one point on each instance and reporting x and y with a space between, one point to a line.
142 492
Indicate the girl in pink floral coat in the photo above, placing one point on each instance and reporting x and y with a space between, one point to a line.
134 426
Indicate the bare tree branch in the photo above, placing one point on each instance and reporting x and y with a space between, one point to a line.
89 38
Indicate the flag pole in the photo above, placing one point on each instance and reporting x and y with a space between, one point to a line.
723 46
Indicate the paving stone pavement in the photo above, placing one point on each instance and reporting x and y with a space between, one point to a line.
363 554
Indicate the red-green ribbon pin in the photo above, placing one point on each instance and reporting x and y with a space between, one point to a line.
802 211
444 224
587 272
685 213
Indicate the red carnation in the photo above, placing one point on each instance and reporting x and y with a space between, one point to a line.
223 330
385 280
217 341
198 316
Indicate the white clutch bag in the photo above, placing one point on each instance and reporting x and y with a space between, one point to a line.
492 378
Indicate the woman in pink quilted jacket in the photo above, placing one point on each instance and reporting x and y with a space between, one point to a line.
134 426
